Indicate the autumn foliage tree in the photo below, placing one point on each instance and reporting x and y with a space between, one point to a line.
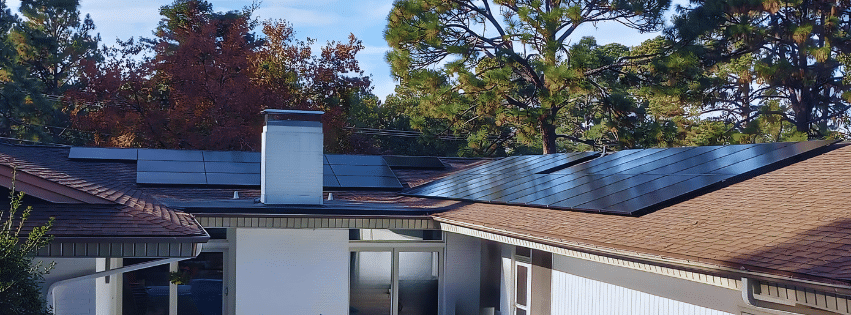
206 79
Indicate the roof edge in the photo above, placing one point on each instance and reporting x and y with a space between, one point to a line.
806 280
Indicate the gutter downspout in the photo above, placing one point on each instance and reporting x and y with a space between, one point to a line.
51 297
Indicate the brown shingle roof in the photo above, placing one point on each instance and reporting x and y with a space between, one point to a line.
794 220
134 214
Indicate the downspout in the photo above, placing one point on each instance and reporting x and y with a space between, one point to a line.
51 297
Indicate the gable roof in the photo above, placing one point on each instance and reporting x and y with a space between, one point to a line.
794 221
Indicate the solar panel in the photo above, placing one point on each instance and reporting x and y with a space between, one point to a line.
625 182
231 179
170 166
361 170
103 154
231 156
355 159
233 168
369 182
166 178
170 155
414 162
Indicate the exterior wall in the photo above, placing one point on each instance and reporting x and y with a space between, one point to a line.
585 287
292 271
76 297
108 299
461 274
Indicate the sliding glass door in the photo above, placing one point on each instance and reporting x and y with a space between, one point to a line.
394 280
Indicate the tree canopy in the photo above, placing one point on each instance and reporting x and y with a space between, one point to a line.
786 59
504 69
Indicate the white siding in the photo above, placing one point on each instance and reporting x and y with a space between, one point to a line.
577 295
292 271
462 274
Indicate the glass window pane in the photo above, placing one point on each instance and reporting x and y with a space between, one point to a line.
146 290
200 292
370 283
394 235
521 311
520 297
418 283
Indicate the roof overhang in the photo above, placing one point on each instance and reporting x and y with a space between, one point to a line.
656 263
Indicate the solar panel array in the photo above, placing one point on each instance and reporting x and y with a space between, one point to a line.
358 171
236 168
414 162
625 182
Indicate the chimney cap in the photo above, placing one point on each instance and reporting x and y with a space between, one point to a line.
291 112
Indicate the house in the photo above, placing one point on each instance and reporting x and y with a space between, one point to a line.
753 229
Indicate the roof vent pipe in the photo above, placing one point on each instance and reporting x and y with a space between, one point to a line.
291 159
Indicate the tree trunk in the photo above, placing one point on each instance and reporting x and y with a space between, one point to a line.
548 135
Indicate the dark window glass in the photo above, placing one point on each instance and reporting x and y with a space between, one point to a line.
146 290
200 290
522 272
217 233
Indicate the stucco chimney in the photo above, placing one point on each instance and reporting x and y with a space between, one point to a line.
291 162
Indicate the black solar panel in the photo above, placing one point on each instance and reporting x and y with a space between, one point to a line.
625 182
231 156
165 178
170 166
103 153
231 179
170 155
414 162
359 172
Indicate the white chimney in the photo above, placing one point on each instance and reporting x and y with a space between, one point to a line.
291 162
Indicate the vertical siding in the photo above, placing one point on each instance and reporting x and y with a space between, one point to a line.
576 295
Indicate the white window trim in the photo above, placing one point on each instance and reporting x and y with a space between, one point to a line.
525 262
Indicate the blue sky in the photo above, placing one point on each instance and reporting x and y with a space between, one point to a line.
324 20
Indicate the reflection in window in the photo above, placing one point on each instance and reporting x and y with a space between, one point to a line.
146 290
418 283
199 287
201 293
370 291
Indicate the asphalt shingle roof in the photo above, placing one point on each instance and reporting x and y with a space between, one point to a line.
794 220
135 213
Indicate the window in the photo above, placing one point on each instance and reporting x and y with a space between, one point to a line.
522 285
395 272
189 287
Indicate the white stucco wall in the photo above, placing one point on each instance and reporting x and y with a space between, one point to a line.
585 287
462 274
292 271
76 297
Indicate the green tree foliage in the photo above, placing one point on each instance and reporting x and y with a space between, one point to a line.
501 70
22 104
41 58
52 42
772 58
20 289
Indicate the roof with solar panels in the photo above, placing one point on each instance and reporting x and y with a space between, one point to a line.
714 204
